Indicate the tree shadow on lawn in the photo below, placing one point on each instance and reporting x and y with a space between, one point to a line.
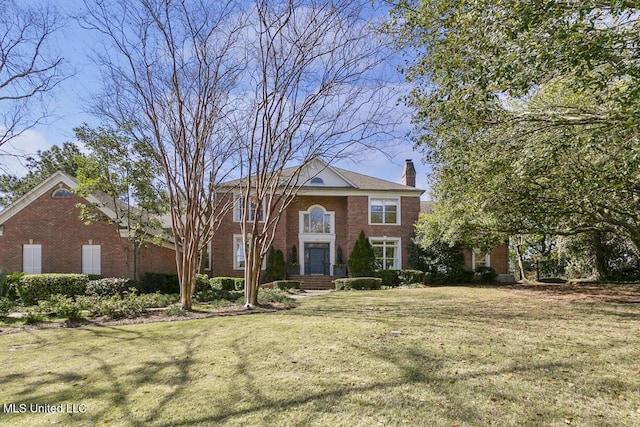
416 370
108 383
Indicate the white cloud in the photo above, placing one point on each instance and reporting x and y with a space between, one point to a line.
14 152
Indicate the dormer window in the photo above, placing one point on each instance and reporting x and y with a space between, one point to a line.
61 193
317 181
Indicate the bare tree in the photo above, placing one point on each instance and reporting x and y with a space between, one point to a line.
315 92
169 70
28 71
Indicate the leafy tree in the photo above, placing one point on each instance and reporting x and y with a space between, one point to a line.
362 261
528 110
127 173
39 168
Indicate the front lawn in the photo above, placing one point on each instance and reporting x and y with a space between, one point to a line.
416 357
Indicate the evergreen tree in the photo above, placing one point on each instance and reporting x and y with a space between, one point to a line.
362 262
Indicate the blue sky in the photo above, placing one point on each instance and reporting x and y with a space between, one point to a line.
73 95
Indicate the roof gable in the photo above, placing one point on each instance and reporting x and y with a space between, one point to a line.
45 187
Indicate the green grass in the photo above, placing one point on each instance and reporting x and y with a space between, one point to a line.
463 356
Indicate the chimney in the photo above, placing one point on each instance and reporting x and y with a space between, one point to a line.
409 174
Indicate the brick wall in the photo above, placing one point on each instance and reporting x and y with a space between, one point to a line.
54 224
351 216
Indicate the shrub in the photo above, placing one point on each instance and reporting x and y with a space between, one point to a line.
449 278
7 305
34 315
409 277
486 274
62 306
285 285
223 283
8 284
175 310
362 262
389 278
160 282
358 283
202 282
35 287
276 267
108 287
266 296
156 300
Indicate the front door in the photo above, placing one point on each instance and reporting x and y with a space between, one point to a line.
316 258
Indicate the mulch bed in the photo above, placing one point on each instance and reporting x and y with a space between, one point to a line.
151 316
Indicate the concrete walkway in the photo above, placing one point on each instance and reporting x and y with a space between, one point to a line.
310 293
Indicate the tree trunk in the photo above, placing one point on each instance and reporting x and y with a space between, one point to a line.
252 273
600 253
519 244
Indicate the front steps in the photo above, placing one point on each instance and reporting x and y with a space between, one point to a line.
315 281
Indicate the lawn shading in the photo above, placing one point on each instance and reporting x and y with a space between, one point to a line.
433 356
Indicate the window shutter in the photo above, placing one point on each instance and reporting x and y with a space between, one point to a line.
32 259
91 259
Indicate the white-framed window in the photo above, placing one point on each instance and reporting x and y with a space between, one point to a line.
238 209
206 257
91 259
388 253
384 210
316 221
480 259
239 257
32 259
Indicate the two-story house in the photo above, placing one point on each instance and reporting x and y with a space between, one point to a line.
325 219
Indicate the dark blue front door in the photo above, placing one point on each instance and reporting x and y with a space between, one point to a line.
316 258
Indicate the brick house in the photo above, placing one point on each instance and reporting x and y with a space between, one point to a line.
42 233
497 258
325 218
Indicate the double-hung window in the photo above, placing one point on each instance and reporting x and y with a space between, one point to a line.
480 259
387 252
238 210
384 211
239 254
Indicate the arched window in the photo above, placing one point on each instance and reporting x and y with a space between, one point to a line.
317 180
316 221
61 193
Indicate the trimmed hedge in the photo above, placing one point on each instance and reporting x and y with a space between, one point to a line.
410 277
222 283
390 278
160 282
35 287
358 283
285 285
109 286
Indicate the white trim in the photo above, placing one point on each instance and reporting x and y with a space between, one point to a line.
398 247
237 212
237 239
487 258
329 238
332 220
396 199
